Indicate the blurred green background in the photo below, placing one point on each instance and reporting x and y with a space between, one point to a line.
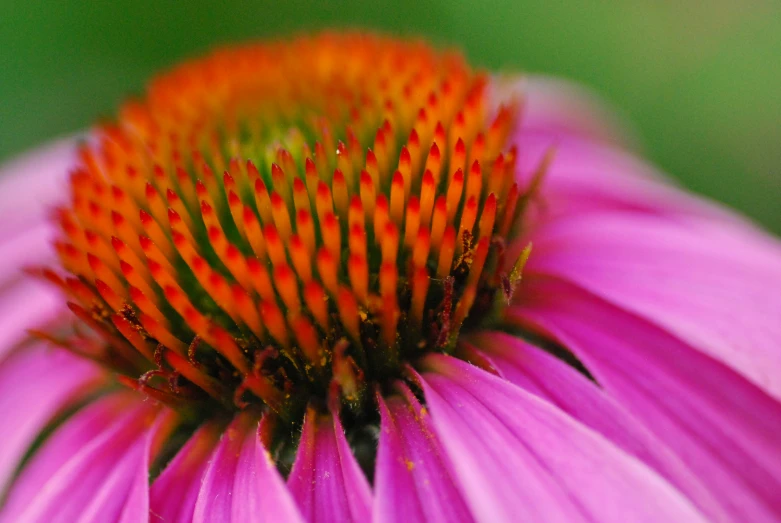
701 80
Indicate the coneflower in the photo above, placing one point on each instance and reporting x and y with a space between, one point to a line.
349 278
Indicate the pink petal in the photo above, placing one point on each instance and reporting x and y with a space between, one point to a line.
242 483
37 383
412 482
550 378
326 480
713 287
722 426
31 184
558 108
91 469
25 305
519 458
174 493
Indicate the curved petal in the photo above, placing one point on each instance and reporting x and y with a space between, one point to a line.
25 305
242 483
37 383
412 482
721 425
326 480
31 183
174 493
91 467
550 378
519 458
715 289
558 108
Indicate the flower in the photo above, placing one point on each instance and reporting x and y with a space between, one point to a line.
347 277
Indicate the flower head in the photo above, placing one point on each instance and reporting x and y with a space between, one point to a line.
295 271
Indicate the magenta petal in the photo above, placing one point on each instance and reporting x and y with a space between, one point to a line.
35 384
412 482
92 469
174 493
722 426
326 481
711 286
26 304
242 483
31 183
548 377
519 458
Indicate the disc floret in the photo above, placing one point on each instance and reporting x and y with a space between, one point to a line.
366 198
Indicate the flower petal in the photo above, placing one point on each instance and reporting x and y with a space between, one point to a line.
91 469
326 480
517 457
174 493
36 383
714 288
242 483
721 425
412 482
30 183
550 378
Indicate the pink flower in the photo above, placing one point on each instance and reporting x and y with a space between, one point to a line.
634 375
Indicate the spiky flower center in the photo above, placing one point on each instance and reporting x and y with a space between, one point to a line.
283 224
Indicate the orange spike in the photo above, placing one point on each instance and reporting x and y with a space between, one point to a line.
389 243
300 195
421 248
339 186
109 296
276 249
306 230
427 195
130 333
389 320
446 252
263 202
299 255
405 169
323 202
368 195
355 213
236 210
412 222
156 234
316 302
285 282
439 222
397 198
261 281
247 310
389 277
308 339
225 345
281 216
358 270
331 236
326 267
468 217
357 240
372 169
348 312
274 322
254 232
457 158
454 195
381 216
487 217
161 334
474 182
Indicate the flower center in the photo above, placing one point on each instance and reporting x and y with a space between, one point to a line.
284 224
